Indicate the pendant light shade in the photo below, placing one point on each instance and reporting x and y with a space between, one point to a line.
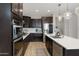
59 18
67 14
59 15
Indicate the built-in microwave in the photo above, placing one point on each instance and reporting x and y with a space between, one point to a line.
17 31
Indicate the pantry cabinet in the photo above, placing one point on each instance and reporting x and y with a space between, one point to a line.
5 30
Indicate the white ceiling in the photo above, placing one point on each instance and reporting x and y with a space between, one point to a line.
29 9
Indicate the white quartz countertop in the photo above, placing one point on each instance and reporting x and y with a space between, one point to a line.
24 36
66 42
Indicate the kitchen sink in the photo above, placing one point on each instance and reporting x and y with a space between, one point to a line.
56 36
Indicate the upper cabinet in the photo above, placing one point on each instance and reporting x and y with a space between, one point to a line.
38 23
17 9
20 9
26 23
48 19
32 23
17 13
35 23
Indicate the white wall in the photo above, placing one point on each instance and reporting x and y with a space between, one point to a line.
78 26
70 26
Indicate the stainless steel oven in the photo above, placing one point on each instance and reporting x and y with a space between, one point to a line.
17 31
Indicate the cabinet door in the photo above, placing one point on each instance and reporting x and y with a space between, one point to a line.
18 48
15 8
57 50
47 19
49 45
27 21
35 37
20 7
46 42
25 44
33 23
5 30
38 23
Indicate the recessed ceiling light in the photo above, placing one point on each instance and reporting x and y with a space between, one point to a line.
36 10
48 10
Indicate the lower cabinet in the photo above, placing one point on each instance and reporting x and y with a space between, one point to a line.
49 45
18 48
25 44
57 50
36 37
53 48
21 46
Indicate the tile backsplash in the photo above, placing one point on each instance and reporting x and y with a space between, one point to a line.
32 30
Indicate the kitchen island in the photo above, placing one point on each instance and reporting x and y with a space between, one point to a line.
66 46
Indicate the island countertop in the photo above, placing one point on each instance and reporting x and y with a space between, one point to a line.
66 42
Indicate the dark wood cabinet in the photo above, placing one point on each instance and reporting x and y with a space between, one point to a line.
35 23
49 45
53 48
17 10
27 22
48 19
18 48
17 19
57 50
36 37
26 42
8 12
5 30
32 23
20 10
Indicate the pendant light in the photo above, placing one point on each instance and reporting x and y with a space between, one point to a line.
67 14
59 14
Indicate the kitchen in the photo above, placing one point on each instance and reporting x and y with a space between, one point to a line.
39 29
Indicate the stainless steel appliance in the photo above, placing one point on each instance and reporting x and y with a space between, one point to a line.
50 28
17 31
